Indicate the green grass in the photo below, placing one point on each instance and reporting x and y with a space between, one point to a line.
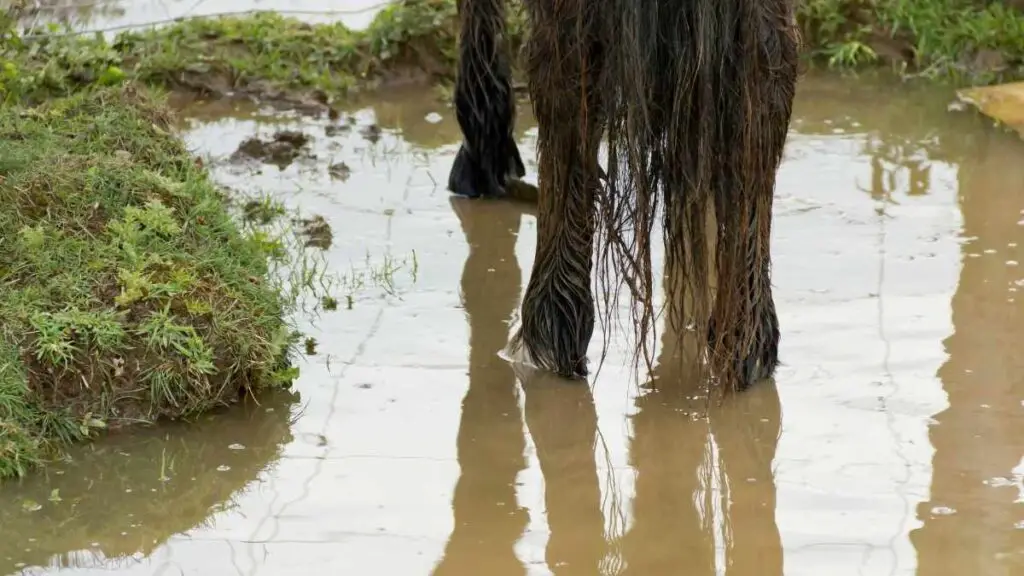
977 40
264 54
127 291
281 58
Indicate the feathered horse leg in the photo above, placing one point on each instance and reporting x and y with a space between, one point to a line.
484 104
743 335
558 310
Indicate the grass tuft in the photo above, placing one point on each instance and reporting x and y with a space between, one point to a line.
127 291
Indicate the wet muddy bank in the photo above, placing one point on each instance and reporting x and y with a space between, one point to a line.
265 57
315 67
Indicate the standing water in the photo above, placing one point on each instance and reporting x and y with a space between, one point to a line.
891 443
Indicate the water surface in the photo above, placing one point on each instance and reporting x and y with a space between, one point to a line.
890 444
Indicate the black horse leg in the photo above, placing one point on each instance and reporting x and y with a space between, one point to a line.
484 104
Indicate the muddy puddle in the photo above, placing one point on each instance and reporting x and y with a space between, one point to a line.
891 444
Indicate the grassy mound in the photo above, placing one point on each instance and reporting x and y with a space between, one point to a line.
127 291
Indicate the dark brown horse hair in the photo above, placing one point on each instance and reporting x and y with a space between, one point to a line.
694 99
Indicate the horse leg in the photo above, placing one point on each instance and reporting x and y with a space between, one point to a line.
744 329
484 104
558 311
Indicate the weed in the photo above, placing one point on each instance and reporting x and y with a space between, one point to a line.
264 54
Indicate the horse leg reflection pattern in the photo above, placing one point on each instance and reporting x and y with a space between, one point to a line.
490 440
671 534
673 527
746 431
563 424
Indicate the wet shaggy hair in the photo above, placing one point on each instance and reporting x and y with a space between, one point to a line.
694 98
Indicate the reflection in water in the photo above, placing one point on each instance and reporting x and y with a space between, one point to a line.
127 494
563 424
671 450
560 417
974 522
116 15
77 14
488 521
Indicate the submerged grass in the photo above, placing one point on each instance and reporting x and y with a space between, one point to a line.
127 291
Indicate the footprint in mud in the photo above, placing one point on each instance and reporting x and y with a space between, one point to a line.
281 149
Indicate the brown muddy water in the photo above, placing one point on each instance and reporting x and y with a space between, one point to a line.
891 444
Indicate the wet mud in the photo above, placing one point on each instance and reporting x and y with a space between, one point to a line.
889 444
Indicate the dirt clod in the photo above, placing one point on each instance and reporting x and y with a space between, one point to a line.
317 232
281 149
339 171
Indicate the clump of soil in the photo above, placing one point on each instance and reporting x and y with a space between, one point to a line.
337 129
317 232
280 150
371 133
339 171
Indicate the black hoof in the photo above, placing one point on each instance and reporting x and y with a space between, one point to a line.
469 178
754 370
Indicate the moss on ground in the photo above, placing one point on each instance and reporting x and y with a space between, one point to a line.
127 291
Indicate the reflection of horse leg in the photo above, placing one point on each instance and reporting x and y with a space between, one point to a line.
490 441
672 530
563 424
484 104
558 308
746 430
